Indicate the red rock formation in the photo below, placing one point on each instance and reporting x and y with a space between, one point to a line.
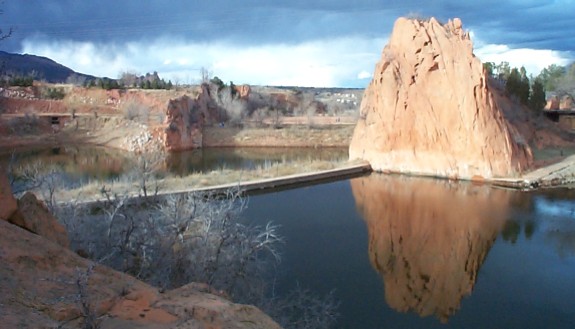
428 238
37 218
43 285
429 110
552 103
185 119
31 214
566 103
243 91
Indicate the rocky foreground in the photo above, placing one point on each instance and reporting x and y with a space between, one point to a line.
43 284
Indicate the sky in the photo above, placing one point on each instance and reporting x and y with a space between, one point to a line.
321 43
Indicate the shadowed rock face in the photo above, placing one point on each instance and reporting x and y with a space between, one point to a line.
185 119
429 109
428 238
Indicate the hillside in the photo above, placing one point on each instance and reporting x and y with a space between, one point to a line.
41 68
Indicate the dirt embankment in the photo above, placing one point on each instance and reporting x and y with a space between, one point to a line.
136 120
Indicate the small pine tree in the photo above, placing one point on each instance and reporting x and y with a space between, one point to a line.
513 82
537 97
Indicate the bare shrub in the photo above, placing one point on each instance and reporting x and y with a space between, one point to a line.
24 125
52 93
183 238
301 309
193 237
236 109
38 177
135 111
90 318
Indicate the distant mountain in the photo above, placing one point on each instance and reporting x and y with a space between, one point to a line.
41 68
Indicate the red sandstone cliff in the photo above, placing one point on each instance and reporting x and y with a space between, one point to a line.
428 238
185 119
429 110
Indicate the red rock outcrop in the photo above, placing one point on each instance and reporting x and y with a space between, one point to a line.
31 214
44 285
429 109
566 103
243 91
428 238
552 103
185 119
37 218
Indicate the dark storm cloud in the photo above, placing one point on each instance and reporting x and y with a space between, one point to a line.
521 23
339 39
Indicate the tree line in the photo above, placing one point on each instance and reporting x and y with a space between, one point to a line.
531 90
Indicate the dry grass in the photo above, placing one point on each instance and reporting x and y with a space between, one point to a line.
126 185
291 136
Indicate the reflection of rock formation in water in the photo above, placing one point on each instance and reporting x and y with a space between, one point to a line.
428 238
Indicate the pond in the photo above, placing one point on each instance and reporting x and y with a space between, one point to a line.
398 252
80 165
404 252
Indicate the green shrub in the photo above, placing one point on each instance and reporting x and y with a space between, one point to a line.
53 93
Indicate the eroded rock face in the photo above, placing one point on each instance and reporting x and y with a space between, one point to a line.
429 110
185 118
243 91
428 238
43 285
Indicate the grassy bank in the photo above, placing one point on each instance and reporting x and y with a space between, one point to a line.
134 183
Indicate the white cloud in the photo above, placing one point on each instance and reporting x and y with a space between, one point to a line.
320 63
534 60
364 75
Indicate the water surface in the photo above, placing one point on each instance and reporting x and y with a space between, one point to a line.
398 252
420 253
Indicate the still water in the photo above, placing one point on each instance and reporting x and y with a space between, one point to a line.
420 253
398 252
102 163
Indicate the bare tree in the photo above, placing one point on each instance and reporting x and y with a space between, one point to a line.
235 108
301 309
205 75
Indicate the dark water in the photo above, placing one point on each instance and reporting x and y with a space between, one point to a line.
420 253
399 252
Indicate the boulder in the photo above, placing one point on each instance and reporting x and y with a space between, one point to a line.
36 218
429 109
43 285
8 204
428 238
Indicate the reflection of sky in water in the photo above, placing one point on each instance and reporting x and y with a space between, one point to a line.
559 208
556 221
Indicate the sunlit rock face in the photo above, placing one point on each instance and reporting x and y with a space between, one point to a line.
429 109
428 238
